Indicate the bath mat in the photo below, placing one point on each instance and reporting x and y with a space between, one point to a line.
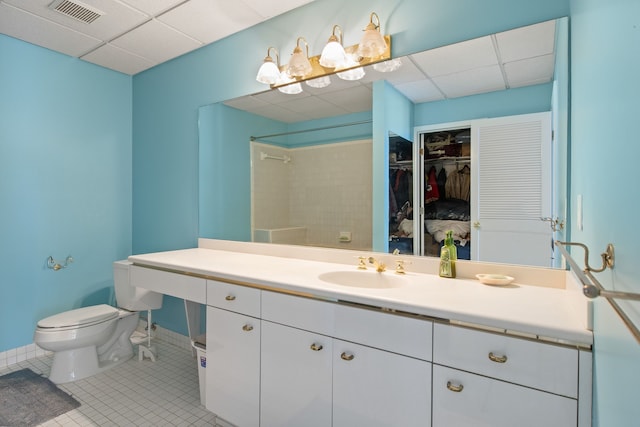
28 399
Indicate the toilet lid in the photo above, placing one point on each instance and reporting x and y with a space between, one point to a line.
80 317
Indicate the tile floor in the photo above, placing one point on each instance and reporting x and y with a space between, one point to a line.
160 393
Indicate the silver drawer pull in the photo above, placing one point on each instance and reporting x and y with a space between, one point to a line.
347 356
230 298
316 347
457 388
247 328
497 359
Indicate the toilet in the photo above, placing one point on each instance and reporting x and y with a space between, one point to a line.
89 340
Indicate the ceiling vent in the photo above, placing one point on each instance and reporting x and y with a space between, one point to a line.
76 10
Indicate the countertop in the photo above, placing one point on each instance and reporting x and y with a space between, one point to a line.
552 314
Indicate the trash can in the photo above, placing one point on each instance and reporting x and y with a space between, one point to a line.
200 344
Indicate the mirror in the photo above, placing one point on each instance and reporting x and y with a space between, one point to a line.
442 85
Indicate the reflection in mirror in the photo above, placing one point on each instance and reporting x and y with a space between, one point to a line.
497 75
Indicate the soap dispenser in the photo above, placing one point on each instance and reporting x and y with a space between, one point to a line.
448 257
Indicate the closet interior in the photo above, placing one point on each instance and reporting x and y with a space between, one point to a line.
447 190
441 191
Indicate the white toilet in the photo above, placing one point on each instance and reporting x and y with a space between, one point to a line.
89 340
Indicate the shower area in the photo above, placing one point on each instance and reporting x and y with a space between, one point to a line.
316 195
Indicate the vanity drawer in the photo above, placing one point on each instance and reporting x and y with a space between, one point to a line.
298 312
410 336
533 364
177 285
236 298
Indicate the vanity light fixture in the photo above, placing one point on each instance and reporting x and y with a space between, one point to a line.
299 66
333 53
346 62
287 84
372 43
351 73
319 82
269 71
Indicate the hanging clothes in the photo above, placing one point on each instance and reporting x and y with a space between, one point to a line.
431 193
458 184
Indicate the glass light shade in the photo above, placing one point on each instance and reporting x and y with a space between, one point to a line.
289 89
299 65
268 72
372 43
388 66
319 82
354 73
292 89
332 54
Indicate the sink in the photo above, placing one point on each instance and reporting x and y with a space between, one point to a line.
363 279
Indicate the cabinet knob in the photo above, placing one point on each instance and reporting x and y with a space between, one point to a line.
476 224
230 297
247 328
457 388
496 358
316 347
347 356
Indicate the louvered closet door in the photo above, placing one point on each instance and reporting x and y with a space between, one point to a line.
513 190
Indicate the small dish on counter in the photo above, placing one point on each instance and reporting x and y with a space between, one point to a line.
494 279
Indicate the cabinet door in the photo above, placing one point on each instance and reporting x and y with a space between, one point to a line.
233 367
376 388
295 378
464 399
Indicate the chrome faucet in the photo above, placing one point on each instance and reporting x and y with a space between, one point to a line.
380 266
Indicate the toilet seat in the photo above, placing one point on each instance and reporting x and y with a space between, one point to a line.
79 318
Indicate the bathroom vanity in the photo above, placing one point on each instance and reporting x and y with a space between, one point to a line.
311 340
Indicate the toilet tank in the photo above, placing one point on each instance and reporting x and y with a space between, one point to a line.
129 297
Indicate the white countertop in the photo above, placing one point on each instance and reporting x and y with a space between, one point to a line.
555 314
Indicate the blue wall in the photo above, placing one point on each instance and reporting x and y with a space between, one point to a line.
65 184
605 65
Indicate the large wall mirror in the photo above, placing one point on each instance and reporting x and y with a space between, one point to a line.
313 168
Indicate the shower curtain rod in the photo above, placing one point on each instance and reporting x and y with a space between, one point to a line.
362 122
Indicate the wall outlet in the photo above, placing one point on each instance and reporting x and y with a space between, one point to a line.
344 237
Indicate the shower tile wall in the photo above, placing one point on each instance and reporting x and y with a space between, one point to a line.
325 188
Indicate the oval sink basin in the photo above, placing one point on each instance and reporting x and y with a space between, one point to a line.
363 279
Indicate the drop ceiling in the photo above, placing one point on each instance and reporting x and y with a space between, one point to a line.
511 59
132 35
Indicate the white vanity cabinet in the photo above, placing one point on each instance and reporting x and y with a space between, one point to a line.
296 377
488 379
233 353
326 364
377 388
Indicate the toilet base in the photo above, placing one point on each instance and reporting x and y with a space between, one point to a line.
79 363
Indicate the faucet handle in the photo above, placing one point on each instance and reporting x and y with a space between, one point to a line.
362 265
400 263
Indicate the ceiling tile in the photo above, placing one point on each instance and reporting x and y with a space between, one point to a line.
152 7
116 19
307 105
247 103
457 57
472 82
530 71
211 20
420 91
527 42
354 100
118 59
269 9
33 29
275 112
156 41
408 72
